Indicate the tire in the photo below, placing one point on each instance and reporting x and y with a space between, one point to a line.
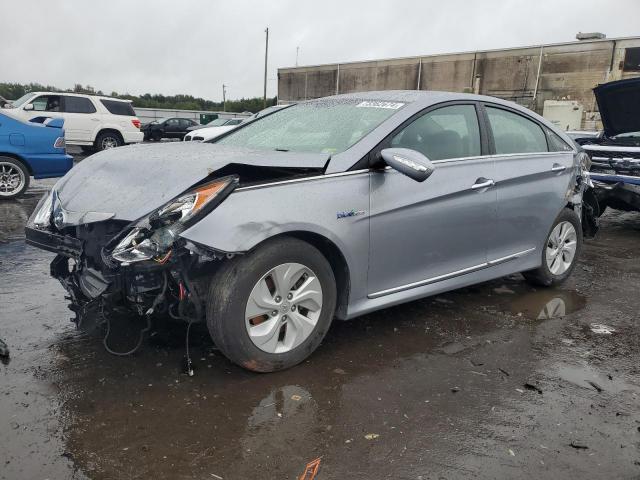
156 136
229 303
556 268
107 140
14 178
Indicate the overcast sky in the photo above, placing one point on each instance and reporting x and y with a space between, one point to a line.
194 46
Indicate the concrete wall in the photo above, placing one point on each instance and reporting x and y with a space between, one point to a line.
528 75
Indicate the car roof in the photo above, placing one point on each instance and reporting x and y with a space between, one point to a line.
76 94
421 97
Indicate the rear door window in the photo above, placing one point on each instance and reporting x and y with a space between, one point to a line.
119 108
78 105
448 132
513 133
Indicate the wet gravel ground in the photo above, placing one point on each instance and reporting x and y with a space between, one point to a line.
495 381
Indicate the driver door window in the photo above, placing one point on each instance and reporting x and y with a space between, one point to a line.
46 103
448 132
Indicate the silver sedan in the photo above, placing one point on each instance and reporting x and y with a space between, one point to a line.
330 208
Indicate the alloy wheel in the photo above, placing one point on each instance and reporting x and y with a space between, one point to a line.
12 179
283 308
109 142
561 248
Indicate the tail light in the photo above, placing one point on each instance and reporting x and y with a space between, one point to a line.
136 123
59 143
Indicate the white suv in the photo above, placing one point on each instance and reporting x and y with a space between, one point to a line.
93 122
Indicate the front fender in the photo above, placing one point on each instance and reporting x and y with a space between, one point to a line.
335 207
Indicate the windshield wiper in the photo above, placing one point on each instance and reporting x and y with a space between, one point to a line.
281 149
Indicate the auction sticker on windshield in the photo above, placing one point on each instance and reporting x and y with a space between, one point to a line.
370 104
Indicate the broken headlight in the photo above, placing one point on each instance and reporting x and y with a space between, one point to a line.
42 218
153 235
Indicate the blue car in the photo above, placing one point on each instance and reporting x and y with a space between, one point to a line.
30 149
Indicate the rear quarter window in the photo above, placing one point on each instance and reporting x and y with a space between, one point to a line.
119 108
557 144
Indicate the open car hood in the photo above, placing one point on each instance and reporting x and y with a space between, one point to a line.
126 183
619 105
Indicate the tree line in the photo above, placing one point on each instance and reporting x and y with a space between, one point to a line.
13 91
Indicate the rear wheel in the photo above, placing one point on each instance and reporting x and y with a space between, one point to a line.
270 309
14 177
561 251
108 140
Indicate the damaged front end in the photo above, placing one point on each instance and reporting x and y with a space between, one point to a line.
143 267
615 172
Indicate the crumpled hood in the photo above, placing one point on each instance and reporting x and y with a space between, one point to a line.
129 182
619 105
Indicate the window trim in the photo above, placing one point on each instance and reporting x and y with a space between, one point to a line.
373 159
63 101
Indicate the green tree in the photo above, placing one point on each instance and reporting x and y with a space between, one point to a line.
13 91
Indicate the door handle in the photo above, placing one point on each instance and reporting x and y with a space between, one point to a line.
482 183
95 119
558 168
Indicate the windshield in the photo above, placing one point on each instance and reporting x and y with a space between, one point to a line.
22 100
326 126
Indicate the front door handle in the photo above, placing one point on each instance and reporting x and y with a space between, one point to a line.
482 183
558 168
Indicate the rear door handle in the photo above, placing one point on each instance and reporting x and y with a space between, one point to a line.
482 183
558 168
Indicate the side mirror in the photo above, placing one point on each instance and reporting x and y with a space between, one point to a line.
28 107
409 162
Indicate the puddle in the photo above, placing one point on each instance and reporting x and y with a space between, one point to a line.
547 304
590 379
602 329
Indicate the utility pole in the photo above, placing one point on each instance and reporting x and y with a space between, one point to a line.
224 97
297 52
266 56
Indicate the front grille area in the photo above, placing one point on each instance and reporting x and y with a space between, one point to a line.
616 161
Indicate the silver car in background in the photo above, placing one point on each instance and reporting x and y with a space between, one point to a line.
334 207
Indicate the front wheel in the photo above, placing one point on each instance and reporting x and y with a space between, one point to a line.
269 310
14 177
560 252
